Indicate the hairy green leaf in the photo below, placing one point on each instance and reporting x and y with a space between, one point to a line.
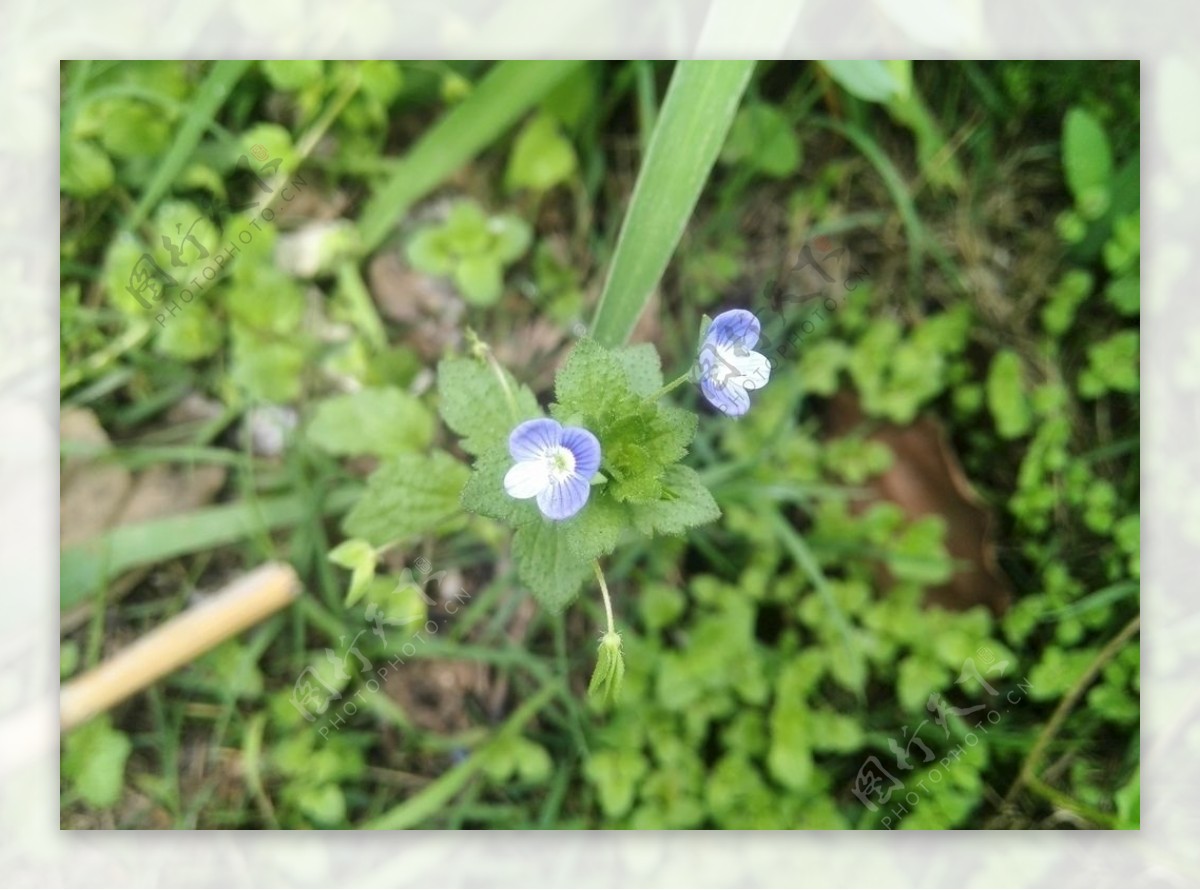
409 495
383 422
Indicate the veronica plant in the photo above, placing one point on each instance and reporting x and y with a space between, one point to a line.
605 467
603 463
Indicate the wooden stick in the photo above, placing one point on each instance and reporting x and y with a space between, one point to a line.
188 635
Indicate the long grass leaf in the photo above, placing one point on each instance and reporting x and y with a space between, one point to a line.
505 93
87 567
690 130
433 798
202 108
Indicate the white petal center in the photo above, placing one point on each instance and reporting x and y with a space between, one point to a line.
560 463
529 478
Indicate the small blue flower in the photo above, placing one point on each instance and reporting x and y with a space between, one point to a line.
729 367
554 464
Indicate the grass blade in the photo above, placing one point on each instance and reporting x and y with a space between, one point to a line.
507 91
87 567
691 128
201 110
433 798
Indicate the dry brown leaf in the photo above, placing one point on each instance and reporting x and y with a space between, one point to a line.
927 479
92 492
429 306
97 495
167 490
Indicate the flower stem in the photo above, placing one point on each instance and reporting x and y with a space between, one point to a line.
508 395
604 591
674 384
482 350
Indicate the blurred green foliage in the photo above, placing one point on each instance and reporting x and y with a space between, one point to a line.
768 657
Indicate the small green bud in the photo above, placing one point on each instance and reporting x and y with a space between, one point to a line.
610 670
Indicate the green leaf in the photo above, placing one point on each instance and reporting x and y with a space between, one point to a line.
191 334
264 299
685 503
1058 671
920 555
546 565
1006 395
428 252
68 658
660 605
605 685
1087 157
691 128
1114 364
511 237
400 599
134 130
595 530
790 757
409 495
324 804
479 279
1114 704
856 460
821 364
382 422
1065 299
1129 803
184 243
382 79
506 92
85 169
573 99
473 403
267 371
866 79
643 369
616 774
831 731
465 228
290 75
639 439
763 139
591 379
360 557
229 671
517 758
541 157
276 140
93 761
1125 294
916 679
120 258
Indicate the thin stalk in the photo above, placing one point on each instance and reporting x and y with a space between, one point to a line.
203 107
503 378
604 592
1029 769
426 803
674 384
